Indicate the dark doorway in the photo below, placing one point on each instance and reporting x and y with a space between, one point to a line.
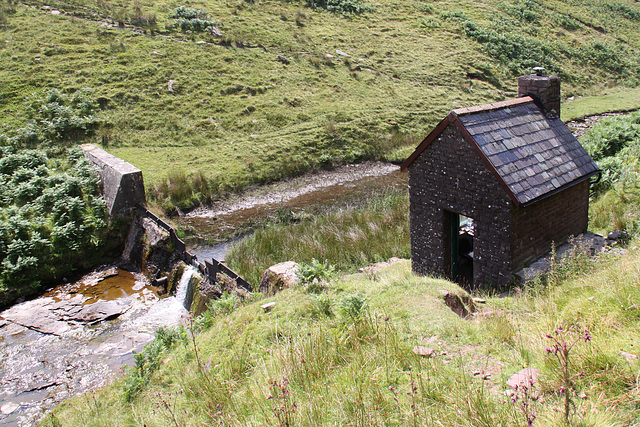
462 234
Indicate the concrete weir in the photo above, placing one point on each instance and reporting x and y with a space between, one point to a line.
122 183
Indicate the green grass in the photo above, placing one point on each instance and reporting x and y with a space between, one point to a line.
237 116
297 366
609 100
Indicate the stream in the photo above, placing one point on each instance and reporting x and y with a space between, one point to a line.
80 335
75 338
213 230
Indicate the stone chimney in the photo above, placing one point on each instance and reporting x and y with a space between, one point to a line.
545 91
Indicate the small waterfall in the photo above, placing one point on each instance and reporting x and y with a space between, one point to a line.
184 290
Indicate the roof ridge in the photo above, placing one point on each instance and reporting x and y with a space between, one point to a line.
493 106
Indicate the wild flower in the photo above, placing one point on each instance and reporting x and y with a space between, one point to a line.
564 339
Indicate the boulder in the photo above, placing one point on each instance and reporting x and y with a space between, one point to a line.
457 303
279 277
155 234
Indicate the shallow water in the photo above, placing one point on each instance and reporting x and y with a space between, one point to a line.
58 345
89 329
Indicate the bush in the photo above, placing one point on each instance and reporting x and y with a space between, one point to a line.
55 117
193 20
520 53
614 143
52 216
347 7
315 272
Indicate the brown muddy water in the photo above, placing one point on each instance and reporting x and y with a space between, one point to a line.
74 338
212 231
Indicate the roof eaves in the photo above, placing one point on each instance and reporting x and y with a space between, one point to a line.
559 189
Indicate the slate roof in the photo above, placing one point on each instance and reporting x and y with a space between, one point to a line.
531 155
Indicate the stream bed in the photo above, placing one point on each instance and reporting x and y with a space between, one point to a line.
212 230
75 338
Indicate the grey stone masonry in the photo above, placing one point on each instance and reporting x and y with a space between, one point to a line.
514 168
448 176
545 90
122 183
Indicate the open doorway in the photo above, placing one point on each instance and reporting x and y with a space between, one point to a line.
462 235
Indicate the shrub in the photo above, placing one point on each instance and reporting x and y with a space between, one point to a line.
52 216
347 7
615 144
193 20
520 53
316 271
56 117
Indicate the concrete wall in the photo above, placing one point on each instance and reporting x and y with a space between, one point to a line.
122 183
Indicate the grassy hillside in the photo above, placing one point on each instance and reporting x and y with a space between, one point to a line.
201 113
344 357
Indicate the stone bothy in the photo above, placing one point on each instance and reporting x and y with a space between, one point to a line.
492 187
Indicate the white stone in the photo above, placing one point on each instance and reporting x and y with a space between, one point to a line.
9 408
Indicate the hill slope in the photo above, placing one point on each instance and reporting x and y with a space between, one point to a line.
344 357
214 113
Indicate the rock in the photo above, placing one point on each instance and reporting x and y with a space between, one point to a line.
341 53
523 377
282 59
484 375
372 268
628 356
454 302
424 351
36 315
615 235
155 234
582 395
100 311
479 300
279 277
9 408
268 306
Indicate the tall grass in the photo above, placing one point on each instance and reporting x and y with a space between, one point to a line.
348 239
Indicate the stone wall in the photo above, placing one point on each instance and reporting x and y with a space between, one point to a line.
553 219
449 176
122 183
545 91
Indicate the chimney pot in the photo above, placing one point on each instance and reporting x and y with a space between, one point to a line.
539 71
